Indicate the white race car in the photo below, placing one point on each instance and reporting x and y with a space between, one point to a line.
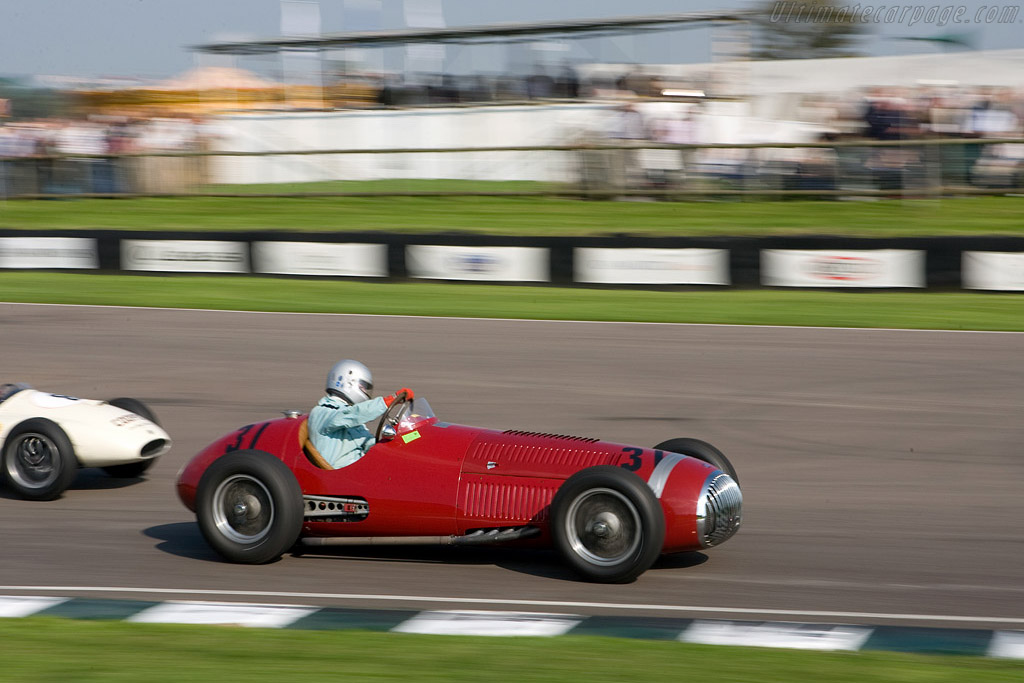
45 438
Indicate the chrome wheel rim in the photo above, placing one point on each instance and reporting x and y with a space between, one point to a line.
243 509
34 461
603 527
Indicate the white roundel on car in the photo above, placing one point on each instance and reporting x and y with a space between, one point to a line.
52 400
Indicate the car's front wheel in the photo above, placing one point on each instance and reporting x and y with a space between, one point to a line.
607 524
249 507
702 450
39 461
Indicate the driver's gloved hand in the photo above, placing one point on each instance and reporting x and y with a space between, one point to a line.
405 394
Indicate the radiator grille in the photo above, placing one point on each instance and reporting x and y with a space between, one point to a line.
719 509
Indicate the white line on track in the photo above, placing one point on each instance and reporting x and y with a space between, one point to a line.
516 320
519 603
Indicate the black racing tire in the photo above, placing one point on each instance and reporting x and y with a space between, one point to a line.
607 524
701 450
132 470
249 507
39 461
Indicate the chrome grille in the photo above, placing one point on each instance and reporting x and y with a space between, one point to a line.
719 509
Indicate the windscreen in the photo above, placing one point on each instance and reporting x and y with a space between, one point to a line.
417 414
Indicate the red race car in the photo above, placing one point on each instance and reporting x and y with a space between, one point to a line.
609 509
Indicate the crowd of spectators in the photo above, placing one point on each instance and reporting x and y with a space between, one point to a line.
972 115
883 114
115 154
914 114
86 155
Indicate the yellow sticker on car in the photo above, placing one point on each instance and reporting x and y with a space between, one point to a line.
411 436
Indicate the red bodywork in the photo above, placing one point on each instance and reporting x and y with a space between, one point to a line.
443 479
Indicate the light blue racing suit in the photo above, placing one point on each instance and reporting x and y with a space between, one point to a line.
337 429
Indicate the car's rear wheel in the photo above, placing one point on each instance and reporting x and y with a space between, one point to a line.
39 461
132 469
249 507
607 524
702 450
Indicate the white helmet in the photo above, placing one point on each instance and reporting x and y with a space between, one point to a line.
350 380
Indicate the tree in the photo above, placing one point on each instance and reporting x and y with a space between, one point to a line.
805 29
28 102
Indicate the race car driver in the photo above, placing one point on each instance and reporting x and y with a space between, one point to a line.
337 424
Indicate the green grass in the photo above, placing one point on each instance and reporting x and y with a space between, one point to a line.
527 216
924 310
40 649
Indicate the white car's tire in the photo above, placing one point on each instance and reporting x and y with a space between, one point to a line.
38 459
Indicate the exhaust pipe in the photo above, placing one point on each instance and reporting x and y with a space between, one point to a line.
479 537
378 540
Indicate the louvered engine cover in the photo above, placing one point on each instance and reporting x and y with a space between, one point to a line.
510 477
531 454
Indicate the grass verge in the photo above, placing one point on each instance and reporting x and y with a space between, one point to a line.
914 310
41 649
527 216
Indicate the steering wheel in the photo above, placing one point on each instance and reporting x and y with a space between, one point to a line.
392 414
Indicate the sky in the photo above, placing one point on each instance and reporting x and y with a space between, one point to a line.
150 39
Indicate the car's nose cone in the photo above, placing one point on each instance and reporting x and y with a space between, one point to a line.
719 509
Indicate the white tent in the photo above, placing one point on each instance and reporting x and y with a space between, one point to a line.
216 78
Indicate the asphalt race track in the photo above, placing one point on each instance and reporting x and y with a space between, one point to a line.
881 470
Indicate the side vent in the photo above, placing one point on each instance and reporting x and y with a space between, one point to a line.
581 439
512 503
550 456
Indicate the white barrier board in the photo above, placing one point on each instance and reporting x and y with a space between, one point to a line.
999 270
320 258
651 266
48 252
842 268
185 256
498 264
